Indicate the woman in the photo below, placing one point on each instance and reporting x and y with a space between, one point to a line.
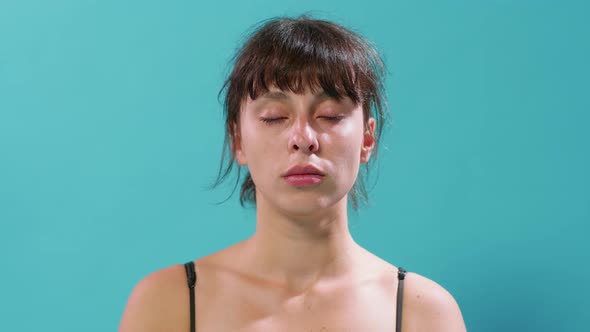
304 110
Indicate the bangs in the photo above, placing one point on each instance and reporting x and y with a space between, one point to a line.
304 62
297 55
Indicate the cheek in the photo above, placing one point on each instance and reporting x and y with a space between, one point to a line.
344 151
349 140
259 147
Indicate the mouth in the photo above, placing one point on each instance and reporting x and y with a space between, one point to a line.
303 175
301 170
302 180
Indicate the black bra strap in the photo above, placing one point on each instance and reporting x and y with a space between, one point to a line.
401 275
191 276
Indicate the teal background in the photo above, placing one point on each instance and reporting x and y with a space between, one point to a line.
110 129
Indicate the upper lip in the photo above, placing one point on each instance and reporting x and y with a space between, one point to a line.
303 169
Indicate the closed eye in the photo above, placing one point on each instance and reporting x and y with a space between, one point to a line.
333 118
272 120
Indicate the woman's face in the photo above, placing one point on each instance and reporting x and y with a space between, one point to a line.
281 129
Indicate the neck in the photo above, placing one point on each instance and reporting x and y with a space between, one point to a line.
300 250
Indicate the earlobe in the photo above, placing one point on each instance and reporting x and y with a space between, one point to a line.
240 159
237 147
368 141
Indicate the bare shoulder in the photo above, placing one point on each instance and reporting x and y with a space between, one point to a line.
158 302
429 307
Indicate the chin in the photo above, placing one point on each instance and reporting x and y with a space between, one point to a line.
305 204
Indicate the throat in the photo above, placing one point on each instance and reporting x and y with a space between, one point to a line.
297 265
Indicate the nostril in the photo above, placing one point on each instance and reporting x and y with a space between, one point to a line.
309 148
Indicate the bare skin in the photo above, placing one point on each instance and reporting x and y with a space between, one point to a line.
301 270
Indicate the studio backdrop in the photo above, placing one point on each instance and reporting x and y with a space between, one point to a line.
111 130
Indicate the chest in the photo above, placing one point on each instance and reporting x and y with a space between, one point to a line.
369 308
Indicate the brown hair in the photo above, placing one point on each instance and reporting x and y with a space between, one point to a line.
294 54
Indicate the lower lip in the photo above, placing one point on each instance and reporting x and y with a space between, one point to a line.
301 180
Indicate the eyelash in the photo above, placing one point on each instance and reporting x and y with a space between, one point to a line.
269 121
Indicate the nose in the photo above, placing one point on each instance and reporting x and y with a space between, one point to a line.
303 138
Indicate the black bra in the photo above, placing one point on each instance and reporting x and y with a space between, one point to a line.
192 279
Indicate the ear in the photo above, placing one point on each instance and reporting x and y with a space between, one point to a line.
237 146
368 141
